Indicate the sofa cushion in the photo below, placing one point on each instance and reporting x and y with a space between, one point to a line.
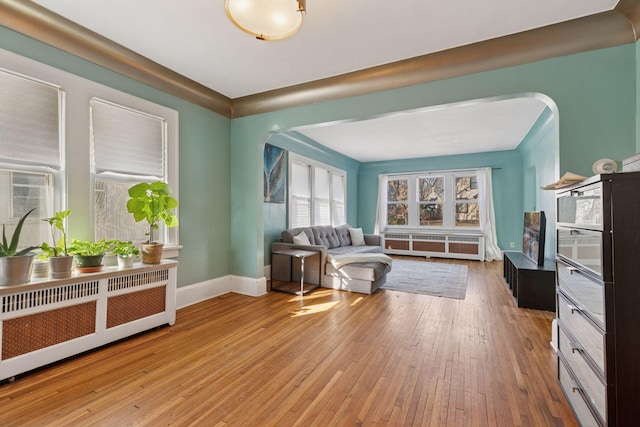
325 235
343 235
357 238
355 250
301 239
287 235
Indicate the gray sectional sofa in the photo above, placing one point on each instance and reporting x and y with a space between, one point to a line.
361 273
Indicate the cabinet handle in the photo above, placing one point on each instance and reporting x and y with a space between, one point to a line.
573 308
577 193
576 347
574 386
571 270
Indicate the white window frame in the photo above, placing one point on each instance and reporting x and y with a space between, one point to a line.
448 207
76 177
333 172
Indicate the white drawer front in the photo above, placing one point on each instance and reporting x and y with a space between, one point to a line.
588 379
584 415
589 337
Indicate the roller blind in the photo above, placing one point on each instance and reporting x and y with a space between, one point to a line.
29 121
126 141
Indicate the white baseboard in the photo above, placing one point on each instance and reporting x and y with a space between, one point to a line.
188 295
249 285
192 294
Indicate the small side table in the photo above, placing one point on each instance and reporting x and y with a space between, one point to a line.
302 255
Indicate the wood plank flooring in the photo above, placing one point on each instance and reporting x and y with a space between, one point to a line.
329 359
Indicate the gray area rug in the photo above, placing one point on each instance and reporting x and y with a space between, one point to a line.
430 278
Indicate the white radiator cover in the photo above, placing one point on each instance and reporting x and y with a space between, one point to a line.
434 244
47 320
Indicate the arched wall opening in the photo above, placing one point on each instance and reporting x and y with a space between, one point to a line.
519 173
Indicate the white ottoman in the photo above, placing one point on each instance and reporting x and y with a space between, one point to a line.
364 278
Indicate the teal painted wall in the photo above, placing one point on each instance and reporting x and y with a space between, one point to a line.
539 150
204 162
221 160
275 214
506 177
595 93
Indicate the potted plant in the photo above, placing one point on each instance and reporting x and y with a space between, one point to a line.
58 254
88 255
126 252
152 202
15 265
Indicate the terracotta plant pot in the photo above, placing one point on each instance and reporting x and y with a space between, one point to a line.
151 253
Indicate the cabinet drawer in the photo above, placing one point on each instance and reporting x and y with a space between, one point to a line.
592 385
583 247
581 207
591 339
588 294
574 395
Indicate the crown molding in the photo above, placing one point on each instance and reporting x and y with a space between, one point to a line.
35 21
592 32
618 26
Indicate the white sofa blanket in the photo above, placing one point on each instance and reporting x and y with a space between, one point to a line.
338 261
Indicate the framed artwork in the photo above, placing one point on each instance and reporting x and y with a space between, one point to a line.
274 174
533 236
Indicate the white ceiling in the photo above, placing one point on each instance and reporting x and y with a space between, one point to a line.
469 127
195 39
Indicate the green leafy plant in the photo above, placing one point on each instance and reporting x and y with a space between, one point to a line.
125 249
11 248
59 247
152 202
89 248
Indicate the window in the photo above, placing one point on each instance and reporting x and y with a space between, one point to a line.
47 162
317 193
30 152
445 200
398 202
129 148
467 207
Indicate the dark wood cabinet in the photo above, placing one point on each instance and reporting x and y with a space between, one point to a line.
598 298
532 285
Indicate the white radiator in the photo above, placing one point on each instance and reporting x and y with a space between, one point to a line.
435 244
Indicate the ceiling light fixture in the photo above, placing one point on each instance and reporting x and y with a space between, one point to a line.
269 20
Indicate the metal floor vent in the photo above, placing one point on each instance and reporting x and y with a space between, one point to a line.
138 279
41 297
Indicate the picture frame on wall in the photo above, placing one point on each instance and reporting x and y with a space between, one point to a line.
275 174
533 236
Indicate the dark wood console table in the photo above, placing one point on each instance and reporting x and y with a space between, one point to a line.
532 286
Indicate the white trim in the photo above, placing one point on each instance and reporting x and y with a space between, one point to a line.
249 286
202 291
198 292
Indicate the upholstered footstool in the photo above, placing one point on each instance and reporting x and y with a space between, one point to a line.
364 278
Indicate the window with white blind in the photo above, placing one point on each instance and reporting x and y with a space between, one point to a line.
129 147
58 146
317 194
30 152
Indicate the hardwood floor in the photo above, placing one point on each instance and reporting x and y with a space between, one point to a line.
330 359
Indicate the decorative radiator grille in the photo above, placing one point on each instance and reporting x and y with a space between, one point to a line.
396 236
41 297
138 279
464 239
429 237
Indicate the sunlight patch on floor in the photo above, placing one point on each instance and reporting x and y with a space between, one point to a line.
314 308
